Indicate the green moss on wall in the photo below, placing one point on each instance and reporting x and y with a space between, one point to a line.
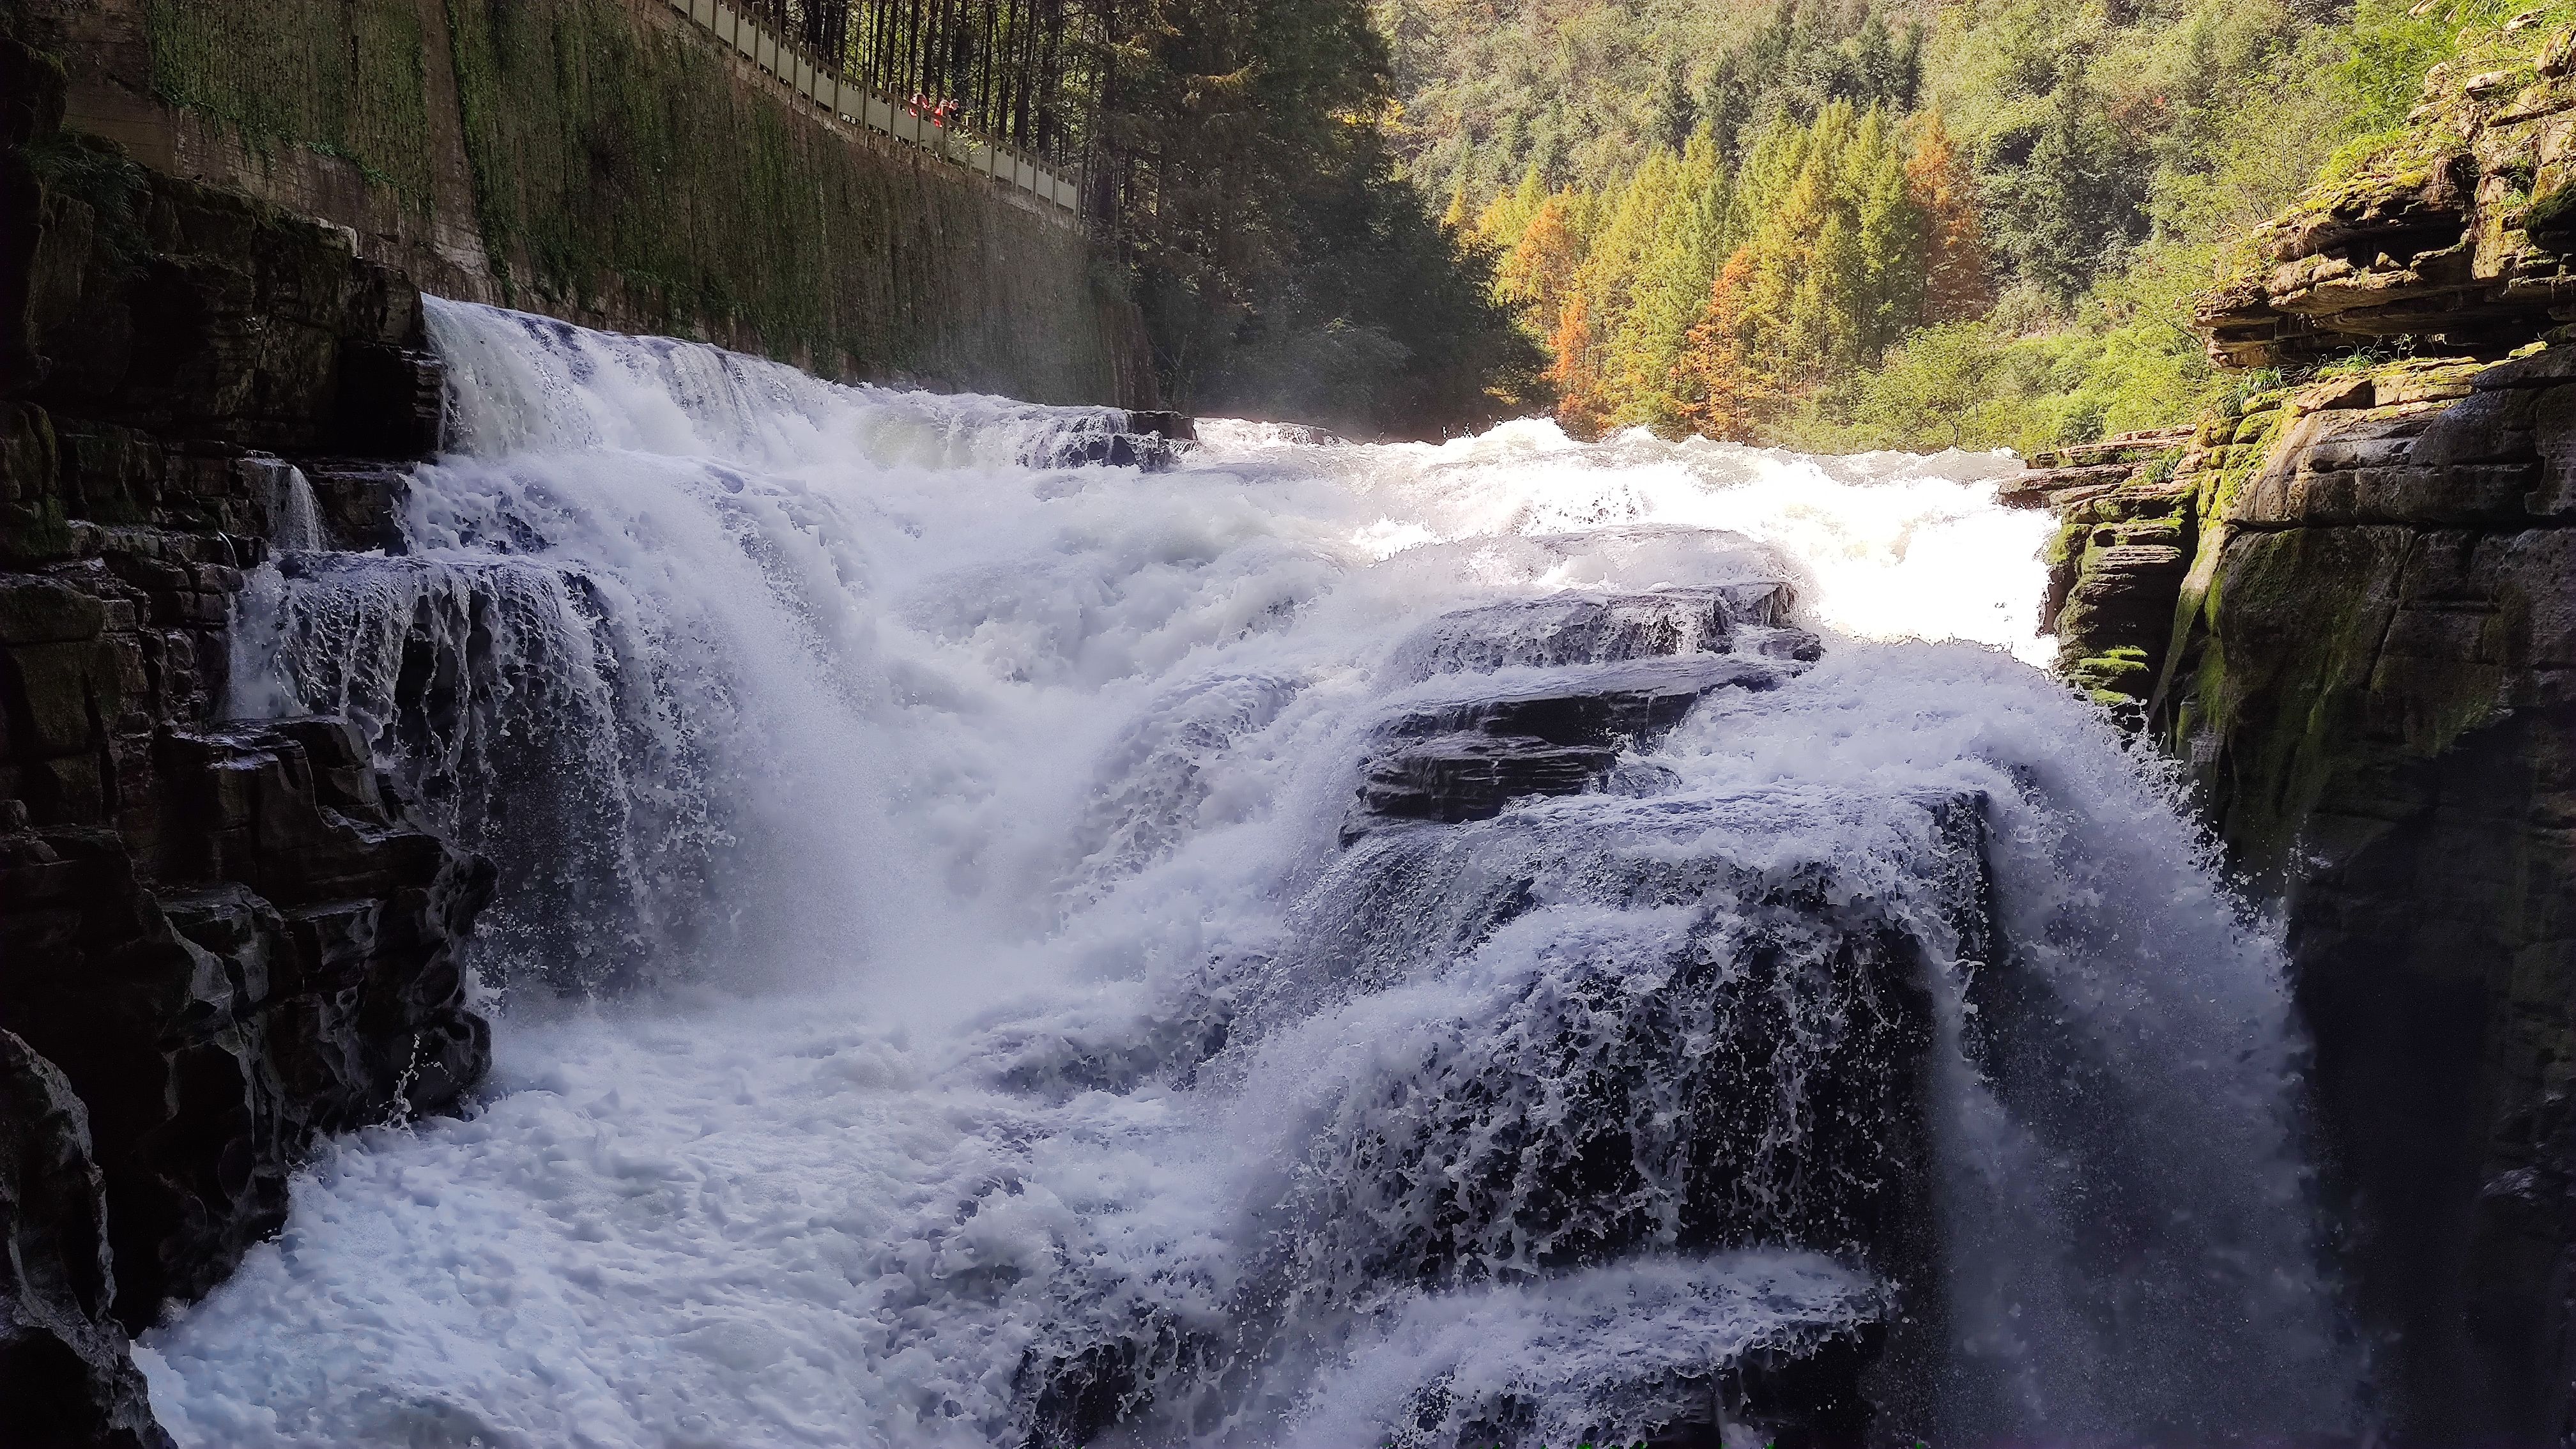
627 171
2302 613
343 77
611 153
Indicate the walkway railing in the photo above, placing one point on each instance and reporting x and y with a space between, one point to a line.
862 106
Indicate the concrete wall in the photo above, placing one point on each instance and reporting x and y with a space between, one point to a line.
609 162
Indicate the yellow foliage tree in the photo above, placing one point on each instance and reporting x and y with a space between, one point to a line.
1955 284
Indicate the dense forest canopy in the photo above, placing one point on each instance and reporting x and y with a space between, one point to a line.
1847 223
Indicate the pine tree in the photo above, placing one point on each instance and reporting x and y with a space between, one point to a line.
1670 290
1894 228
1504 218
1604 376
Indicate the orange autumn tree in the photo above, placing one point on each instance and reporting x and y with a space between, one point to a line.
1537 275
1720 390
1955 284
1580 406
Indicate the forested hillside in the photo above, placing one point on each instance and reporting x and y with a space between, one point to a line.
1856 223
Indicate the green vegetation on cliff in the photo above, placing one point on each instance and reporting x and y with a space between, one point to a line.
1855 223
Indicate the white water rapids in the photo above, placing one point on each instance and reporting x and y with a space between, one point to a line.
936 1003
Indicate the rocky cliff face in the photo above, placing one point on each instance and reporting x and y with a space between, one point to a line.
218 940
2350 605
2457 236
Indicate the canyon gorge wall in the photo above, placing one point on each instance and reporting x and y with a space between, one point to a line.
218 941
2350 607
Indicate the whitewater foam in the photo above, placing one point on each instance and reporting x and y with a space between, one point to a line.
919 869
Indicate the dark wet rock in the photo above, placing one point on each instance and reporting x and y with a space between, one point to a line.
1804 1389
291 973
1769 1035
1623 669
391 399
217 941
1468 776
1576 628
360 502
1637 700
1169 426
1115 438
67 1380
1561 733
1742 1064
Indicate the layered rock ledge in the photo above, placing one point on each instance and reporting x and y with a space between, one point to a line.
219 940
2348 602
2458 235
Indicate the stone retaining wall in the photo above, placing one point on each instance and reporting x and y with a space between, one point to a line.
611 163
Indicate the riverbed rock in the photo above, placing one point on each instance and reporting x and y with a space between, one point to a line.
1742 1064
67 1380
1541 697
1535 733
1589 628
1113 438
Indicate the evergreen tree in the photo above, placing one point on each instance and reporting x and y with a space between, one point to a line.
1671 113
2075 200
1284 268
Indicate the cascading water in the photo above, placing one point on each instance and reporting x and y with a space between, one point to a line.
1321 945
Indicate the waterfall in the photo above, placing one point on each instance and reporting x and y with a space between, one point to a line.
1508 941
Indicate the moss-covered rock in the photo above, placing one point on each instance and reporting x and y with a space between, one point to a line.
2456 233
2368 671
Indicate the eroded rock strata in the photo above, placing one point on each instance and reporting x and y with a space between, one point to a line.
218 940
2350 605
2458 235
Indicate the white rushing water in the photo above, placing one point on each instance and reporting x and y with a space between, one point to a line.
947 994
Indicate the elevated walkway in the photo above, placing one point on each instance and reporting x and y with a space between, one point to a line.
857 105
